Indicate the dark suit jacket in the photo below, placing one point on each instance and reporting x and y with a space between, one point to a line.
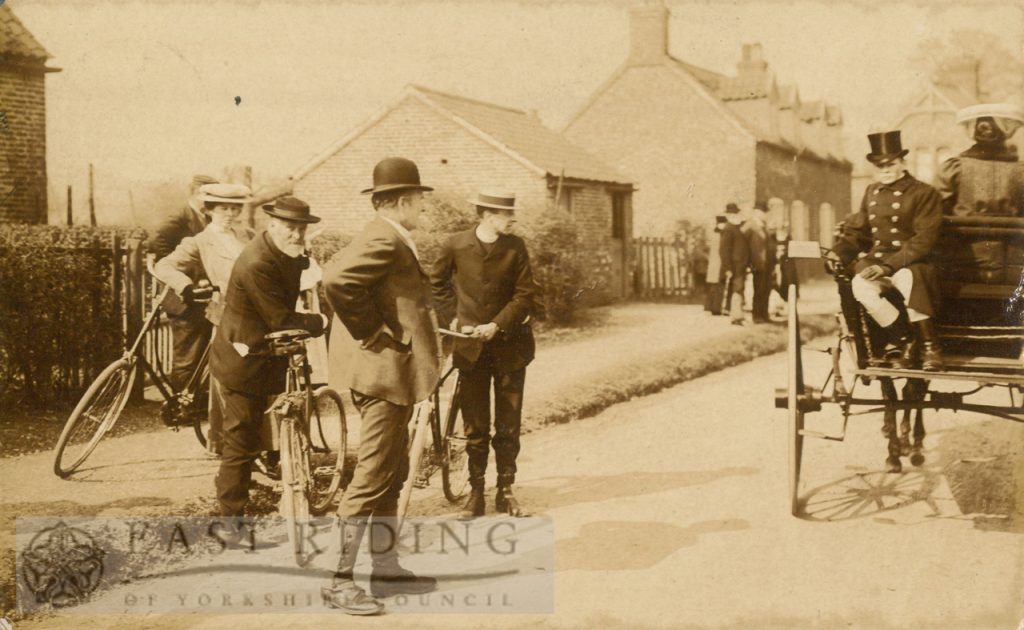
378 282
260 299
185 222
756 233
734 250
479 288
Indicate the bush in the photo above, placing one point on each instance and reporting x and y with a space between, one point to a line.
327 243
60 320
559 265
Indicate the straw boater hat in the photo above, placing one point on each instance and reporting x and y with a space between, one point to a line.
494 200
291 209
225 193
1008 117
395 174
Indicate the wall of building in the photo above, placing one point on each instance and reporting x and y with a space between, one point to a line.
449 158
687 157
22 146
931 138
809 180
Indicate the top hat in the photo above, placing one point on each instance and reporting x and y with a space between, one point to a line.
495 200
885 147
291 209
395 174
731 208
224 193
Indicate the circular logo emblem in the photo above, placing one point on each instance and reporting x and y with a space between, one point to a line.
62 565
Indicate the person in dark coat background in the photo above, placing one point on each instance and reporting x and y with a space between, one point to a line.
735 253
261 298
483 279
190 330
713 289
762 261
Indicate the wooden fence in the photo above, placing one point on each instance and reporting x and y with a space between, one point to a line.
662 269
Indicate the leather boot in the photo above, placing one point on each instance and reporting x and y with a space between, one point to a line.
342 592
505 501
388 577
902 355
931 353
474 506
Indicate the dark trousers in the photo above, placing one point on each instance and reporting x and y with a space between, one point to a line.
475 404
383 459
713 298
243 417
762 290
190 332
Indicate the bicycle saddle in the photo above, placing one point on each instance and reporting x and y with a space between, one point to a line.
287 341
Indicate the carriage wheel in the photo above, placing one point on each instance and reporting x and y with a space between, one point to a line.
795 390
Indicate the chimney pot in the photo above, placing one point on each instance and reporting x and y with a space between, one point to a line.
648 34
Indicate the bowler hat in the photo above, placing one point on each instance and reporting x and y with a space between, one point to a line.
395 174
224 193
731 208
885 147
291 209
495 200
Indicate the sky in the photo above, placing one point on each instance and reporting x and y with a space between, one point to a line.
148 88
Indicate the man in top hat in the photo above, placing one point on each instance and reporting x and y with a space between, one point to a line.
261 295
190 330
387 353
735 253
987 178
483 279
891 238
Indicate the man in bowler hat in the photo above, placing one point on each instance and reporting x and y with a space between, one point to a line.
260 299
734 250
483 279
390 360
889 241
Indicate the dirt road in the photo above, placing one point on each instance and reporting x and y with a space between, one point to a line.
670 511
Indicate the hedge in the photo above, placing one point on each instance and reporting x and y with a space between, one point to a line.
60 319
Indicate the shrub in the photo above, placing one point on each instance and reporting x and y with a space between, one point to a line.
60 320
327 243
559 265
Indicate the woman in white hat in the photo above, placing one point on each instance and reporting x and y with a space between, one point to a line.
207 258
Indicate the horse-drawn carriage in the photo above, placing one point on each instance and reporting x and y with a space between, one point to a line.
981 327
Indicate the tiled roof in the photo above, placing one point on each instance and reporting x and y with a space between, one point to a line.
789 96
708 78
812 110
745 87
524 134
833 115
15 40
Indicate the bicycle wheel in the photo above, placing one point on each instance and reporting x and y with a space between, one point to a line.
294 464
454 463
329 442
200 407
94 415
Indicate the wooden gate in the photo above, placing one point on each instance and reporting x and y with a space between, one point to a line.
662 269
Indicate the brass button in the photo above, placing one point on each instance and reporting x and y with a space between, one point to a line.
873 203
874 229
896 243
878 254
893 230
872 216
894 219
898 192
895 205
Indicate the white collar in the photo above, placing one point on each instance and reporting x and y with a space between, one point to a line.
405 234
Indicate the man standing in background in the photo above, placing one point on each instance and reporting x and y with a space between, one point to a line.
735 254
756 231
189 327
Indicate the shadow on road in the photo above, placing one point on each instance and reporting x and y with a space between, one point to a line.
872 493
554 492
146 470
632 545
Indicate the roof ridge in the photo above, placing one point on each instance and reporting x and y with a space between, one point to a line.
467 99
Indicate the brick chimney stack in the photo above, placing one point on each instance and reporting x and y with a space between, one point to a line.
752 61
648 34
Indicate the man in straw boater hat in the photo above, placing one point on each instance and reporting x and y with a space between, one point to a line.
482 279
387 353
190 330
260 299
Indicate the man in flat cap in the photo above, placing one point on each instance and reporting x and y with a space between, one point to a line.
483 279
389 359
261 296
190 330
890 240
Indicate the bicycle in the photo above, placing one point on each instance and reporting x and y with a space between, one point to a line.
311 473
102 403
447 447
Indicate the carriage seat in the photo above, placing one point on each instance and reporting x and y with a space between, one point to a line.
980 265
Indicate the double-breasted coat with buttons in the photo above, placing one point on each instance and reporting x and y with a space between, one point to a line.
897 227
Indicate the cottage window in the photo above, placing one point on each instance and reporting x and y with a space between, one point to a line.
618 215
564 199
